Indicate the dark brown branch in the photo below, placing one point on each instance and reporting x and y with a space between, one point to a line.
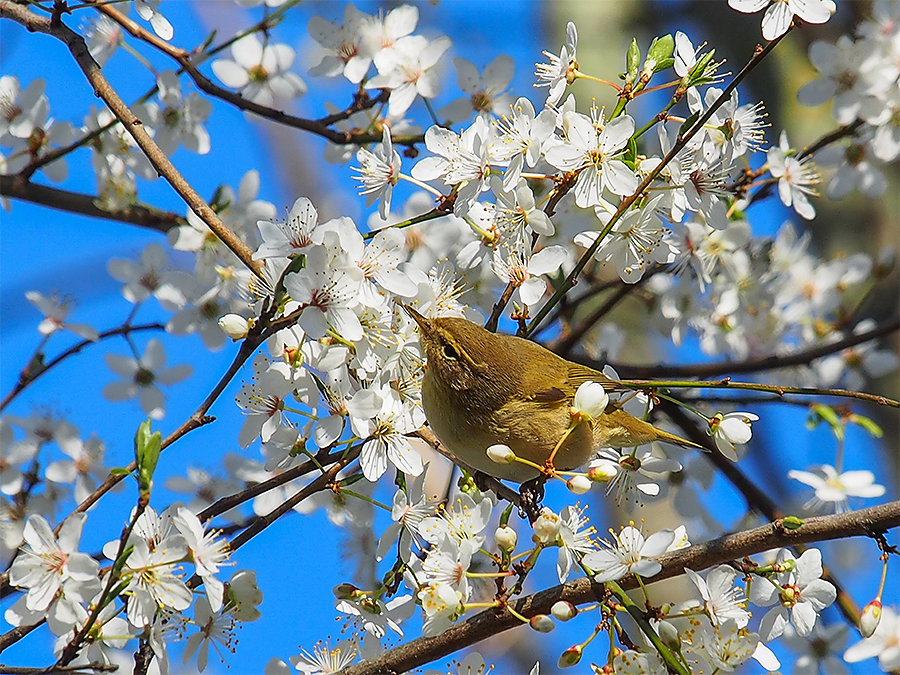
799 358
18 187
730 547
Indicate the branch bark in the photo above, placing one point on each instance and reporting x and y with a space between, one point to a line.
729 547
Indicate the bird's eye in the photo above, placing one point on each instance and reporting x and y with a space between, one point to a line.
450 351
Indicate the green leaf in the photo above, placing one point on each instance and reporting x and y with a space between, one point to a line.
633 60
147 446
868 424
792 522
119 471
825 413
660 49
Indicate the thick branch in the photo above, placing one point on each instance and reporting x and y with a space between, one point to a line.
722 550
18 187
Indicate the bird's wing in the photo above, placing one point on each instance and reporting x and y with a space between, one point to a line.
579 374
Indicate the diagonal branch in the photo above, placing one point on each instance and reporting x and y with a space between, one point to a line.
132 124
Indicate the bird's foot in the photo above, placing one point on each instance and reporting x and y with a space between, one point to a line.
530 495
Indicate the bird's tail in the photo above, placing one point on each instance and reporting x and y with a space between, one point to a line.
677 440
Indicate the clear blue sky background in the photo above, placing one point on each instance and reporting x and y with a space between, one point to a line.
50 250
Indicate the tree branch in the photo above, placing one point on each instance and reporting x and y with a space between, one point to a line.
491 622
133 125
19 187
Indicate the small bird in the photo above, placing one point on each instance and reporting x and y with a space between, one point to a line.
482 388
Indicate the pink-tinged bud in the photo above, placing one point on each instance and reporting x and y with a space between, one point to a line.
506 538
345 591
579 485
234 326
570 657
563 610
541 623
501 454
870 618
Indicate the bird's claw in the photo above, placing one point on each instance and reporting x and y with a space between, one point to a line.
531 493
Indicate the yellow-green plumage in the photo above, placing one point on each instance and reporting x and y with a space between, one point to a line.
482 388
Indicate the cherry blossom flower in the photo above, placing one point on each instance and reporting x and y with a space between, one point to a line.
180 119
325 658
49 563
103 37
832 489
635 474
722 600
800 595
263 400
214 627
884 643
460 158
344 49
575 539
820 651
637 240
520 136
730 430
151 276
780 13
408 70
628 554
794 178
379 172
260 71
207 550
592 147
484 93
85 468
513 264
375 615
407 512
146 9
560 70
142 376
21 111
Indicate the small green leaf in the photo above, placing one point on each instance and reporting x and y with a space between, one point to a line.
119 471
147 446
633 60
868 424
792 522
660 49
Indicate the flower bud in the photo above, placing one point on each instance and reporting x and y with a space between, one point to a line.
506 538
570 657
579 484
602 473
344 591
870 618
590 401
563 610
669 635
502 454
234 326
541 623
546 527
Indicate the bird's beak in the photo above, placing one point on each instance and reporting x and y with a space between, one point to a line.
424 324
